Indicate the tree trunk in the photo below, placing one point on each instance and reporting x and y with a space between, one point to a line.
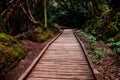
45 13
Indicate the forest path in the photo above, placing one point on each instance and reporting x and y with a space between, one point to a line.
63 60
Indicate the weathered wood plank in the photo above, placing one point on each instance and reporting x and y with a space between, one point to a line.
62 70
64 48
49 78
65 65
82 77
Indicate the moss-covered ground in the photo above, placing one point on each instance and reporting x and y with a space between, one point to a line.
10 53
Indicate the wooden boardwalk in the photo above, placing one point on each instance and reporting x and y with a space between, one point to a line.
63 60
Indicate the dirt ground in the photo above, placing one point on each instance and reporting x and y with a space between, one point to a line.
32 50
108 67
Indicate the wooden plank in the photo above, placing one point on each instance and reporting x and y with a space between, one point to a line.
80 77
65 62
52 56
62 60
62 68
66 52
66 46
41 73
74 67
69 48
49 78
65 57
61 73
67 69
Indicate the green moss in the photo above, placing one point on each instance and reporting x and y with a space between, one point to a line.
56 26
39 29
42 34
10 53
4 37
17 51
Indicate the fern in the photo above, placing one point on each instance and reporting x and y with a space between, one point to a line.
92 40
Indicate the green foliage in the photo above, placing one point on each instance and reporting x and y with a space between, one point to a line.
87 26
96 54
93 32
51 19
67 12
105 8
10 53
92 40
118 50
107 28
99 22
111 40
93 26
4 37
113 28
54 4
99 53
83 33
80 9
115 46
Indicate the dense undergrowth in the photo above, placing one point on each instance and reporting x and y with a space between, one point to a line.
105 26
10 53
109 33
105 60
